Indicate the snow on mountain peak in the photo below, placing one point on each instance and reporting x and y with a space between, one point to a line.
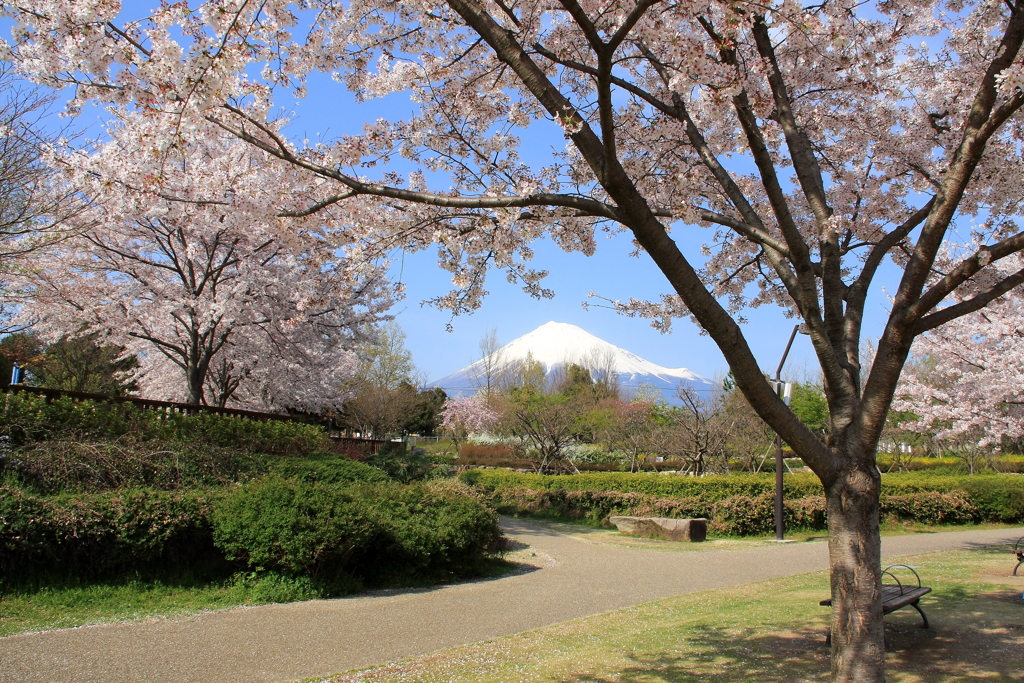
556 344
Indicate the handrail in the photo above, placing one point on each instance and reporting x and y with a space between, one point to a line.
149 404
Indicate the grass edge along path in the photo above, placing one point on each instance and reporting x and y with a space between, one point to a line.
180 595
765 631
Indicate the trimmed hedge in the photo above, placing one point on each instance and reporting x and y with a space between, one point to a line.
745 506
94 535
30 417
327 532
664 485
375 532
69 465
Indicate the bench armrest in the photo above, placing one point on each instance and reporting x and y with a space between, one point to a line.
896 579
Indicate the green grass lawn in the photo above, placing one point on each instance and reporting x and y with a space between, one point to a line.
56 604
769 631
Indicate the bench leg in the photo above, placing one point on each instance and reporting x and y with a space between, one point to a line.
921 612
1018 567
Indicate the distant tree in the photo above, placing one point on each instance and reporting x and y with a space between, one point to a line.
86 364
968 378
22 348
463 416
750 437
425 415
383 392
544 424
811 406
187 265
34 205
526 372
628 427
697 433
491 371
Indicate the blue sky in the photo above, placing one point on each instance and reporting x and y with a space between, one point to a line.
330 111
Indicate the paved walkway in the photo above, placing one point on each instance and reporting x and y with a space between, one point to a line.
284 642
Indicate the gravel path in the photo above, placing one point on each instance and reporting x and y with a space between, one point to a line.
282 642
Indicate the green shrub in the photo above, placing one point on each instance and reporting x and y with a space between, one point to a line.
732 516
326 469
930 508
592 507
291 526
28 417
70 465
401 463
271 587
96 535
376 532
428 531
664 485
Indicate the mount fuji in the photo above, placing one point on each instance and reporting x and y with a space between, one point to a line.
556 345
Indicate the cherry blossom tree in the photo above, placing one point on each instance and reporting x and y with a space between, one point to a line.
220 300
462 415
971 385
33 207
815 141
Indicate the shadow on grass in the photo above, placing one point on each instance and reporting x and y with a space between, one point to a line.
974 639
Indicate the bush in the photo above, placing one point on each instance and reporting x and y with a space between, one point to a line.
326 469
930 508
291 526
377 532
98 535
401 463
428 531
25 418
68 465
741 515
663 485
593 507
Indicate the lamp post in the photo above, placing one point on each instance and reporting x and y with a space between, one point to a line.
786 392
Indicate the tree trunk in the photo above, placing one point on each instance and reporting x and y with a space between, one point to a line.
855 549
195 377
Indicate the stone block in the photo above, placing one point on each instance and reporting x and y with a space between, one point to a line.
693 530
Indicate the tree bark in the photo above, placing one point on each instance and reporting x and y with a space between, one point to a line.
855 553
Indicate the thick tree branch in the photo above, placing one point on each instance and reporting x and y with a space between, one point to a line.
975 303
967 268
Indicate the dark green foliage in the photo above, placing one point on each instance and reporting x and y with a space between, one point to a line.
810 405
743 504
83 364
931 507
377 533
71 465
664 485
427 531
998 499
592 507
422 418
401 463
99 535
21 348
29 417
326 468
290 526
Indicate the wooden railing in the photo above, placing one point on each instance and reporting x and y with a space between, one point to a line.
147 404
343 443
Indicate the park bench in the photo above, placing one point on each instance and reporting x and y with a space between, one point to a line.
1018 550
896 595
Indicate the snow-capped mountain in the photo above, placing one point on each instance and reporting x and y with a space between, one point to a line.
556 345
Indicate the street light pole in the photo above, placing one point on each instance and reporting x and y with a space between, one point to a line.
780 525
